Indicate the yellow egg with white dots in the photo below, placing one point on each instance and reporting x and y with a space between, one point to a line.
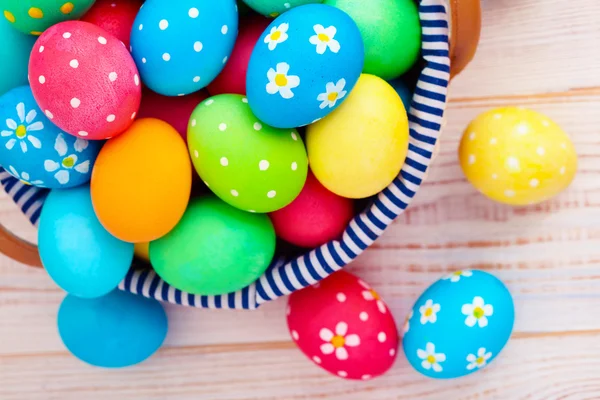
517 156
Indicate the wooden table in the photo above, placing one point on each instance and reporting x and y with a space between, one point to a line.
542 54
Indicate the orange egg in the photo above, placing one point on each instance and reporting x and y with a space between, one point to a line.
141 181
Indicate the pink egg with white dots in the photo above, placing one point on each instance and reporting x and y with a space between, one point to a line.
85 80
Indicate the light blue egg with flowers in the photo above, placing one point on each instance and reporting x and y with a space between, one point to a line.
180 46
304 66
459 325
35 150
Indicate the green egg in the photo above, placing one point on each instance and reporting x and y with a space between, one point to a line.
273 8
391 32
248 164
214 249
15 48
35 16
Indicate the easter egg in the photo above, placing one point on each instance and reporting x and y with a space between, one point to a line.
36 151
273 8
517 156
113 331
141 182
215 248
304 66
359 149
233 77
180 47
77 252
14 46
250 165
176 111
114 16
342 325
85 80
315 217
391 31
458 325
403 91
35 16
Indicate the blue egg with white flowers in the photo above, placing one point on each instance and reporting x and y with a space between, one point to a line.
114 331
459 325
304 66
180 46
36 151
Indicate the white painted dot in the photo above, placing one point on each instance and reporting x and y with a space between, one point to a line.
42 79
194 122
294 166
381 336
257 126
225 59
522 129
363 316
82 133
102 40
392 352
234 193
294 136
509 193
562 170
224 161
534 182
295 335
67 35
541 151
163 24
133 115
472 136
193 13
244 100
224 29
141 27
143 60
41 49
317 359
271 194
166 56
196 79
263 165
196 154
74 64
512 163
343 374
198 47
112 76
341 297
75 102
494 176
136 80
222 127
493 140
209 102
111 118
365 377
471 159
49 114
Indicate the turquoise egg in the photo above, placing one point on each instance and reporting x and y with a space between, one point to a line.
36 151
181 46
76 251
459 325
15 48
113 331
304 66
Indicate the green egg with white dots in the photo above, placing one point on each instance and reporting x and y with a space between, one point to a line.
248 164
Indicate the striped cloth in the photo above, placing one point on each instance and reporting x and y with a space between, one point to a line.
285 276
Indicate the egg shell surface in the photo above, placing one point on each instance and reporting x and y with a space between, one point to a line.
16 47
141 182
180 47
114 16
273 8
458 325
358 150
342 325
215 248
248 164
77 252
85 80
113 331
35 16
304 66
36 151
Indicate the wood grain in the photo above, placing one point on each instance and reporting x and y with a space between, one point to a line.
534 53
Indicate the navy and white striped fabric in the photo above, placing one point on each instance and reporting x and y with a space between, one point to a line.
285 276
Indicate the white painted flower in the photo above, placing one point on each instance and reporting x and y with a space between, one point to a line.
456 275
337 342
333 93
406 326
277 35
280 82
324 39
477 312
22 129
431 359
429 312
479 360
24 177
372 295
68 163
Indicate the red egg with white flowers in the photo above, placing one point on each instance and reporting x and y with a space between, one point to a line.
114 16
342 325
85 80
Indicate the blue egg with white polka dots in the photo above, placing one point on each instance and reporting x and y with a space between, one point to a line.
36 151
180 46
304 66
459 325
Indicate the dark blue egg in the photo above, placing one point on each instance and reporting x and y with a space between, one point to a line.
113 331
304 66
181 46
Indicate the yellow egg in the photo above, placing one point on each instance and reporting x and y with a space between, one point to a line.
517 156
358 150
142 250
